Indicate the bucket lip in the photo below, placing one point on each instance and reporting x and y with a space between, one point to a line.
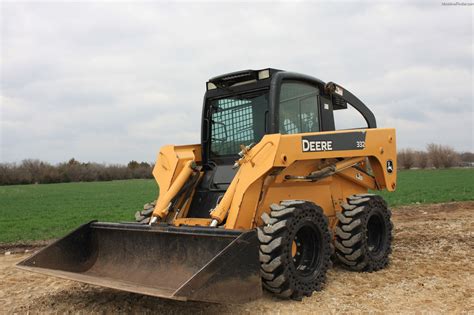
115 284
171 229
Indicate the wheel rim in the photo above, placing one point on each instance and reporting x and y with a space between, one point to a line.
306 257
375 233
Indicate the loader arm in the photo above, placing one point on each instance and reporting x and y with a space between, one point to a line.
273 157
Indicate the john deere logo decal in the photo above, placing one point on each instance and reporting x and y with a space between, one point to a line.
333 142
389 166
316 146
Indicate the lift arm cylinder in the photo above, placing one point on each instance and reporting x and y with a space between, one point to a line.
163 203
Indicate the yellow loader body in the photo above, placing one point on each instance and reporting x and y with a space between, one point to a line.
226 223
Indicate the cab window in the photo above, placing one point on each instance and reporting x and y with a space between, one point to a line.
237 120
298 110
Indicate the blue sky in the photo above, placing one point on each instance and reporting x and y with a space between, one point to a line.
114 81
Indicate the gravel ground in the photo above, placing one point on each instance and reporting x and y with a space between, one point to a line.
431 271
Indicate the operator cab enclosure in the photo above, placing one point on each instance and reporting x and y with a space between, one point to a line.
241 107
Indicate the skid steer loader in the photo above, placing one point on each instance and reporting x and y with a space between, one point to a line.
271 195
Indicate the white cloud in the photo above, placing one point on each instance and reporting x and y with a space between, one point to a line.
115 81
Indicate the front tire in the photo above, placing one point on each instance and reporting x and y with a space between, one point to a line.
364 233
295 249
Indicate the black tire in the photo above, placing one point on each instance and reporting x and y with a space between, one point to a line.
364 233
295 249
144 215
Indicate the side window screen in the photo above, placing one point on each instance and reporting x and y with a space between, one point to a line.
298 108
237 120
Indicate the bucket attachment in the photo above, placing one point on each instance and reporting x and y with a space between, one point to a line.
182 263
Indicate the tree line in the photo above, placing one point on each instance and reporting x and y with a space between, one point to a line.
33 171
435 156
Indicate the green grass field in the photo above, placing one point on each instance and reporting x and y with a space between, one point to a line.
38 212
432 186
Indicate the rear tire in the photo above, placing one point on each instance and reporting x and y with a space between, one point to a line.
364 233
295 249
145 215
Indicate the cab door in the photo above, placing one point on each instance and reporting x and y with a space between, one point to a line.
298 109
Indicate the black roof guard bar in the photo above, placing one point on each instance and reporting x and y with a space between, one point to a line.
340 94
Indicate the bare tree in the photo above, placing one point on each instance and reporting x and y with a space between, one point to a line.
442 155
406 158
421 159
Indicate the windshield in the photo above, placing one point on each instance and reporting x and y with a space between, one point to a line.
237 120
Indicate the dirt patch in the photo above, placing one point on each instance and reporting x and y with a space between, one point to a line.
22 247
431 270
